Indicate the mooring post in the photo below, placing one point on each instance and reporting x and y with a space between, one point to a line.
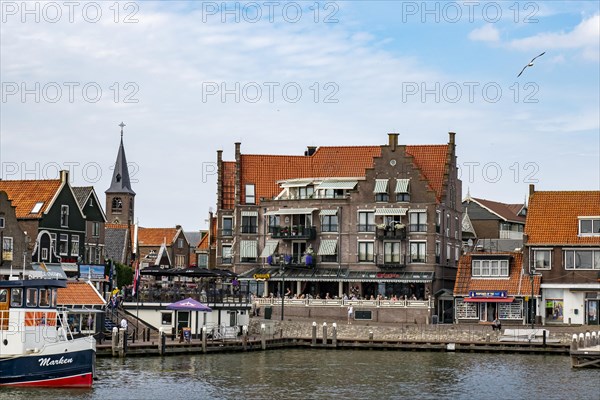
581 341
244 336
204 339
587 339
314 334
371 336
263 336
162 341
324 332
122 340
334 334
115 341
574 343
594 339
544 337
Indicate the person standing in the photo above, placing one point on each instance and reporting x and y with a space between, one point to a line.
124 323
350 312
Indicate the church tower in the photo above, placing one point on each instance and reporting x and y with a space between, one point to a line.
120 198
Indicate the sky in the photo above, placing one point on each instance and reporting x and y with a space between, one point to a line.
191 78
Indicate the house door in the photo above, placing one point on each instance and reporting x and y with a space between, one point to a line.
183 319
233 318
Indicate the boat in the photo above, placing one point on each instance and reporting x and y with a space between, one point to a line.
37 347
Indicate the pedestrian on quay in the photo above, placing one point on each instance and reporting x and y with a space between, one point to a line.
350 312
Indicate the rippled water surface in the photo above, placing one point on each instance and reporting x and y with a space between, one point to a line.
322 374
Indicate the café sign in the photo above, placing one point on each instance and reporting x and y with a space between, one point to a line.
262 276
496 294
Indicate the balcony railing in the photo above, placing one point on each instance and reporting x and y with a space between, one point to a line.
293 232
249 229
391 233
417 228
511 235
329 228
226 232
295 261
391 261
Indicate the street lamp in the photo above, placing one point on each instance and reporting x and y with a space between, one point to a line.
282 265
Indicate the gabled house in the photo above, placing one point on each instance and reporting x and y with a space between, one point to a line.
49 212
365 220
12 240
206 249
562 244
490 285
489 219
95 221
150 240
194 239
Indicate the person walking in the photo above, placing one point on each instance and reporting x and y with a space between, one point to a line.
350 312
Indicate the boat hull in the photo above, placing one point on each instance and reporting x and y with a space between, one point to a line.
68 369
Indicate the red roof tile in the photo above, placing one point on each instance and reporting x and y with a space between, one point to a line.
517 284
329 161
203 245
79 293
552 217
24 195
155 236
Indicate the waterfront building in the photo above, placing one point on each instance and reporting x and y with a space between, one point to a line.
173 241
85 305
495 220
13 241
562 244
363 221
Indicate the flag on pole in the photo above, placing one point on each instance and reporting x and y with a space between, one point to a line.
136 278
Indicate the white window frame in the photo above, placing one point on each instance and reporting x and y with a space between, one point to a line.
226 253
63 238
420 221
595 259
44 254
392 253
370 216
367 259
75 248
412 254
8 243
180 243
483 268
595 222
534 260
95 229
180 260
250 194
230 231
64 216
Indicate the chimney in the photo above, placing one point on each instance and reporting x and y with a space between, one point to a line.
219 179
310 150
64 176
531 189
238 173
451 136
393 140
177 226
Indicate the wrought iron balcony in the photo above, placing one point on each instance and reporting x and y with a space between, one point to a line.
293 232
293 261
392 233
391 261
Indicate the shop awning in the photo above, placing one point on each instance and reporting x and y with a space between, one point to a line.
418 210
328 247
296 183
270 248
291 211
337 275
391 211
402 185
488 300
346 185
327 212
249 213
381 185
248 248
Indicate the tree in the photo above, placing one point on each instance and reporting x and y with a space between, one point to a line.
124 274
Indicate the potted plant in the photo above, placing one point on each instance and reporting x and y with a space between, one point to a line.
270 260
284 231
308 256
381 226
287 258
398 226
294 230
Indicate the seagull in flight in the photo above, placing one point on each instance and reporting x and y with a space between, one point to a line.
530 63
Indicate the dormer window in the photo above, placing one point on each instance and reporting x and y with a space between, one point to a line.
37 207
381 190
489 268
589 226
402 190
250 196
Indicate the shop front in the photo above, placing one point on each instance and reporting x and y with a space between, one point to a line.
571 304
486 306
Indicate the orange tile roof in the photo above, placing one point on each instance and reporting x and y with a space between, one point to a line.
79 293
516 284
506 211
203 245
109 225
155 236
24 194
552 217
328 161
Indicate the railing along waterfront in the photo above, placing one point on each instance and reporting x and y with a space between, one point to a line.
345 303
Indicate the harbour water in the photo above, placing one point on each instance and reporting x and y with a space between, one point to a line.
321 374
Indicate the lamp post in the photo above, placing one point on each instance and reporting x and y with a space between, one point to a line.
532 309
282 263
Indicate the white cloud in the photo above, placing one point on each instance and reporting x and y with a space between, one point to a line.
487 33
584 37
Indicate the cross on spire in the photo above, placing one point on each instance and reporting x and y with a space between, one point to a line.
122 125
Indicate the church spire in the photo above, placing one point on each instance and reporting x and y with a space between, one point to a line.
120 182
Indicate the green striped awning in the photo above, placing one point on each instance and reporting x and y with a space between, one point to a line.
381 185
291 211
347 185
270 248
402 185
296 183
391 211
328 247
327 212
248 248
249 213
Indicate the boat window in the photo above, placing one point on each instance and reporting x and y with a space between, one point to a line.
32 297
3 295
16 297
45 297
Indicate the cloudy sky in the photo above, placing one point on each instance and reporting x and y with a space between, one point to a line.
189 78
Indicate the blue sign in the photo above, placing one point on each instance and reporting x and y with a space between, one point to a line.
92 272
497 294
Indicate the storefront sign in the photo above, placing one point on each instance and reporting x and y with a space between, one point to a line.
261 276
498 294
382 275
